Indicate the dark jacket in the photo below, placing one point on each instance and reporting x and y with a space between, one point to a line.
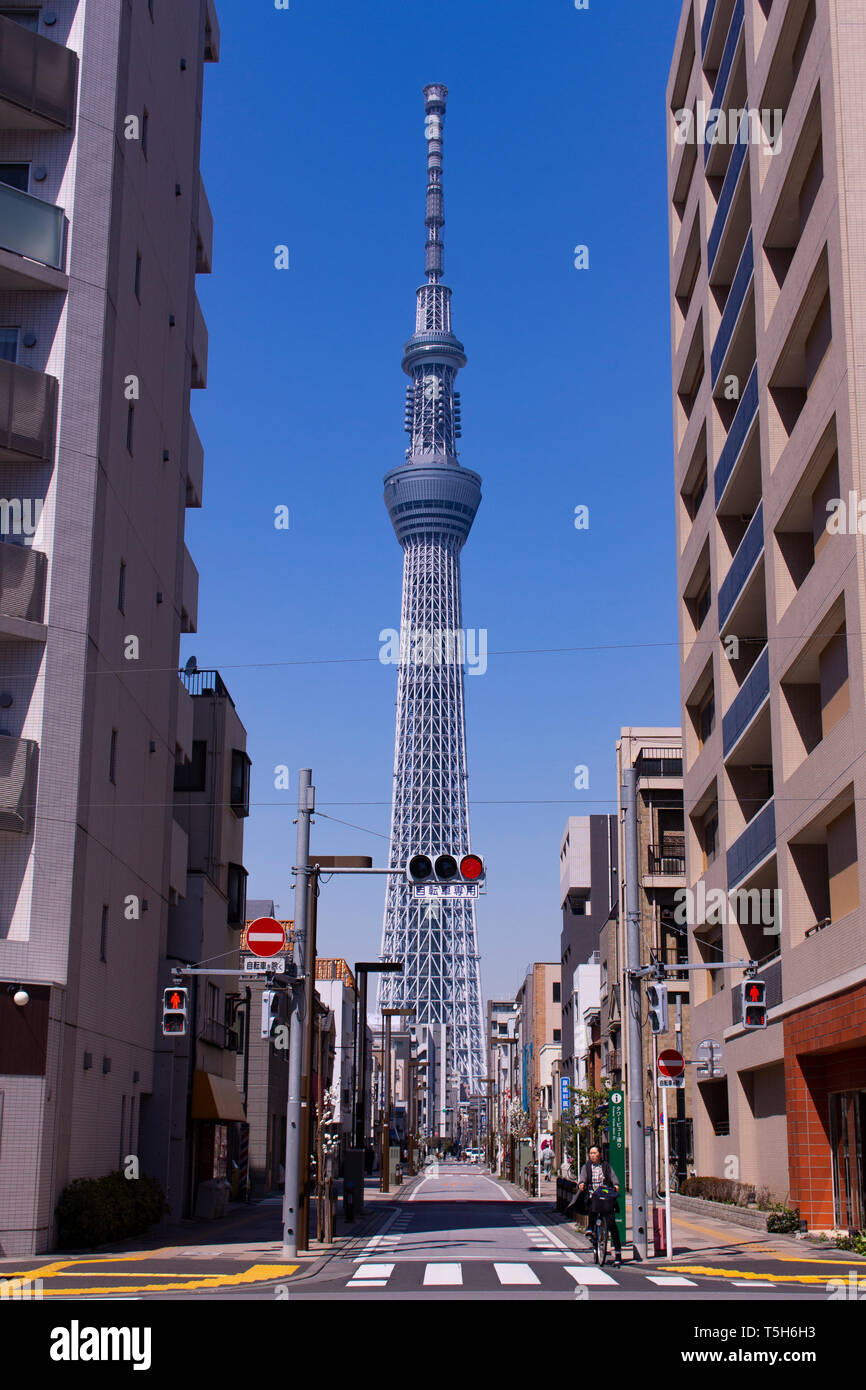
609 1175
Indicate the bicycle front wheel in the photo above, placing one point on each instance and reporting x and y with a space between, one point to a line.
602 1239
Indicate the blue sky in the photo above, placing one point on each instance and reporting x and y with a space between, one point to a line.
313 137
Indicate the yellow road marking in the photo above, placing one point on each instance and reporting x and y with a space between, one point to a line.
745 1274
256 1274
707 1230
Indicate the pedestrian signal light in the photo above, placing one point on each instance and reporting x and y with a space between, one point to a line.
754 1003
657 998
175 1012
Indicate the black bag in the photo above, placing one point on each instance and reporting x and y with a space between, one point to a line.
577 1206
604 1201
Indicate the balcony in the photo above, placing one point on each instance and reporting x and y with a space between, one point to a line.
771 973
18 761
736 299
204 234
727 63
28 409
729 188
189 595
737 435
22 583
659 762
194 467
750 697
669 861
37 80
199 348
748 553
32 242
707 24
208 683
756 843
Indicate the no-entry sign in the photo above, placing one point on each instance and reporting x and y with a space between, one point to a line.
266 937
671 1063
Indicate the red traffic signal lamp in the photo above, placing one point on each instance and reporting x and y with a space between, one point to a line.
445 868
175 1012
754 994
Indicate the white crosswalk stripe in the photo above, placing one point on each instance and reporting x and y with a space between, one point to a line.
515 1274
370 1276
589 1274
440 1275
671 1281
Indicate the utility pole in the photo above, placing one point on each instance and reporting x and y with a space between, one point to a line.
291 1195
637 1125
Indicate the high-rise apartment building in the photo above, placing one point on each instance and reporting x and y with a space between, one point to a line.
767 223
103 226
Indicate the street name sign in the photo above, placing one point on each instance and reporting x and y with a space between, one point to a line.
672 1082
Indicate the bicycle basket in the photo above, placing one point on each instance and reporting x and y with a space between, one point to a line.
603 1201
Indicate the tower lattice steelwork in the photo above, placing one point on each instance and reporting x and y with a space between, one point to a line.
432 502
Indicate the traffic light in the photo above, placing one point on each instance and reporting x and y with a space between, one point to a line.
445 869
657 998
270 1011
175 1014
754 1003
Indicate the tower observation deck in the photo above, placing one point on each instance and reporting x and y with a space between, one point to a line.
432 501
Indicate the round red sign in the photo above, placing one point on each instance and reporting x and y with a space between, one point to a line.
671 1063
266 936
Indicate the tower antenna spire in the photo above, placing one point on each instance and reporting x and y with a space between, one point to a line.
435 98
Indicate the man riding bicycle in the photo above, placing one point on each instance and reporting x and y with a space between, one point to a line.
595 1174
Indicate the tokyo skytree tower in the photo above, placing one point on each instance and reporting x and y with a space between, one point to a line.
432 502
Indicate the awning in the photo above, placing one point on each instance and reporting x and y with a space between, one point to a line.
215 1098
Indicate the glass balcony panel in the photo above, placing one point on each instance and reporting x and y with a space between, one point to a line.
18 758
744 561
740 426
31 227
28 407
757 841
726 64
37 79
729 188
22 582
736 299
747 701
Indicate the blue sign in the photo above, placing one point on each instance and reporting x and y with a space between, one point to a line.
565 1093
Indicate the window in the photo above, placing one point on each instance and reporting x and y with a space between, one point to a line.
29 17
16 176
557 1035
130 420
240 783
112 758
556 991
121 587
191 776
103 933
8 344
138 277
237 894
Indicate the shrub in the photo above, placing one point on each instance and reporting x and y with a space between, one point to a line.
734 1194
856 1243
782 1219
98 1211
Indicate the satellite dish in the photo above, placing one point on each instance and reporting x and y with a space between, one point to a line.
191 666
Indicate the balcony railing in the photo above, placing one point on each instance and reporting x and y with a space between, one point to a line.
18 760
22 582
28 408
736 300
205 683
740 426
669 861
31 227
659 762
747 555
747 701
726 64
707 24
218 1035
37 80
729 188
757 841
771 973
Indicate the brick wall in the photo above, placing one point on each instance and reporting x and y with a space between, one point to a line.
812 1072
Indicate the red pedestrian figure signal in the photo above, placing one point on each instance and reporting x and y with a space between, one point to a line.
175 1012
754 995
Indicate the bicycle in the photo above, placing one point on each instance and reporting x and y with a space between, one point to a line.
673 1181
600 1235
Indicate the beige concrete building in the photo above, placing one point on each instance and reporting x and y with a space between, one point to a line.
539 1025
656 755
103 226
767 224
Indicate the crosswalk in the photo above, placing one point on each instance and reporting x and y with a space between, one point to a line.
508 1274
